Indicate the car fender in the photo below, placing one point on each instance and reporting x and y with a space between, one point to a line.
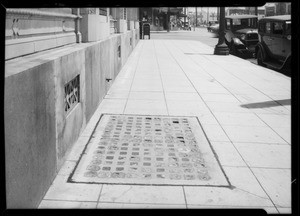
237 41
288 57
287 62
228 36
261 47
237 44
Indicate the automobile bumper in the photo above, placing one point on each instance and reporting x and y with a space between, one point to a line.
251 49
245 53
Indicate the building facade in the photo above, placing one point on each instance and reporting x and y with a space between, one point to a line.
246 10
280 8
269 9
160 17
59 64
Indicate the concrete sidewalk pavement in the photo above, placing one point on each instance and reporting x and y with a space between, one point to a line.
244 109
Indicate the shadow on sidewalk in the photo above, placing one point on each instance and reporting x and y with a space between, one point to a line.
267 104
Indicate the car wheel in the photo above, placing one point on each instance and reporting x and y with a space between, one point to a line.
260 58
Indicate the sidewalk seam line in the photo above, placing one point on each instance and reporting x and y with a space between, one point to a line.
255 167
272 129
136 203
184 196
98 200
61 200
161 80
133 77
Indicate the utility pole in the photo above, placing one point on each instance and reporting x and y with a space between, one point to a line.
168 20
196 17
221 48
201 15
189 16
185 14
207 15
218 14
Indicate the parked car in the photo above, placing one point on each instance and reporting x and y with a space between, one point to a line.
215 29
212 24
241 34
274 47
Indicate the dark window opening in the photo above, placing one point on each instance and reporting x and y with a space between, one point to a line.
125 14
278 28
103 11
262 27
119 51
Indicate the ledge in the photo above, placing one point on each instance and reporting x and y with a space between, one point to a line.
30 12
27 46
37 38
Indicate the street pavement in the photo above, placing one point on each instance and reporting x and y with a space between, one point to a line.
245 112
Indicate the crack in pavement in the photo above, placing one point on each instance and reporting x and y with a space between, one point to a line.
252 193
114 198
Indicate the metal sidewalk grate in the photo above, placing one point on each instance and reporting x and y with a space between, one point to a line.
130 149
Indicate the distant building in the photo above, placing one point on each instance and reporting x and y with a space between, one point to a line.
236 11
280 8
158 17
202 15
246 10
283 8
260 11
270 9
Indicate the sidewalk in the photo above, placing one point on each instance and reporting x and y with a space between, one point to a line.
181 30
243 108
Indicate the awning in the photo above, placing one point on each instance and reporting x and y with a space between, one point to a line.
182 15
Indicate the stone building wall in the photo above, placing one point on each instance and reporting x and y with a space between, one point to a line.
28 31
50 96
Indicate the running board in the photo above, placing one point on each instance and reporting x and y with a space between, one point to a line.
273 65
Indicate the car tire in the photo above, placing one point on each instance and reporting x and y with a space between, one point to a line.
260 58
